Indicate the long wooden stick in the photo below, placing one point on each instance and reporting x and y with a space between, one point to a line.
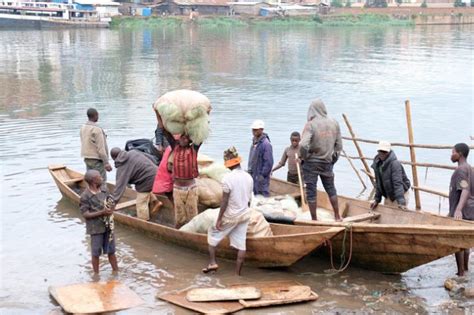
399 144
431 191
359 150
304 205
420 164
355 169
412 155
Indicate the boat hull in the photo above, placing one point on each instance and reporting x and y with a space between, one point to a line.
398 240
287 246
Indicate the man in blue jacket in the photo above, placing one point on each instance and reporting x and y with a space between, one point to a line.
260 159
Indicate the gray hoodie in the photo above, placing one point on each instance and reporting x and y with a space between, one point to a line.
321 135
133 167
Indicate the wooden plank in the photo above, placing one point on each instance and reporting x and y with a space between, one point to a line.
97 297
126 204
73 180
179 298
362 217
223 294
279 293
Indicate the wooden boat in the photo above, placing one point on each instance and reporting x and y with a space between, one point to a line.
389 239
287 245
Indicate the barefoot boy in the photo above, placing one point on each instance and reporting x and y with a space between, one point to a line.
93 208
289 154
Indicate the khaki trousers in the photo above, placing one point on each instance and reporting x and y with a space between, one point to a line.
143 211
388 202
185 204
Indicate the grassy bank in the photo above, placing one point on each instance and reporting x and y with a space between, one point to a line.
219 22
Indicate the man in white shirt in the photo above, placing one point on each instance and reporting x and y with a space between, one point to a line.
234 215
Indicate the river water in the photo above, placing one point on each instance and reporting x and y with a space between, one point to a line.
49 78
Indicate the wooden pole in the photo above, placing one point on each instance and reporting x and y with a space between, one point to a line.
398 144
359 150
431 191
427 165
412 155
355 170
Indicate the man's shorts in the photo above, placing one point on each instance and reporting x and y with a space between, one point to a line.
237 233
311 171
100 244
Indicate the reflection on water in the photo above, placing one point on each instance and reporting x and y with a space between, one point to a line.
48 79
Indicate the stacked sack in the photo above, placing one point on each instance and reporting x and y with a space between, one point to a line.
185 111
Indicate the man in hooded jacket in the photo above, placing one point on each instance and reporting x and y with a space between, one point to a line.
134 168
260 159
320 147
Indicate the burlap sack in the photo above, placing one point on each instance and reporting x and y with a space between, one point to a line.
209 192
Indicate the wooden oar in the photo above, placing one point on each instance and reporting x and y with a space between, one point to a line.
304 205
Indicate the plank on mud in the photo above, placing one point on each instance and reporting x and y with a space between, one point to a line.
223 294
179 298
280 292
97 297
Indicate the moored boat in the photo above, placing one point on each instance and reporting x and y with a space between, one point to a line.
389 239
66 13
287 245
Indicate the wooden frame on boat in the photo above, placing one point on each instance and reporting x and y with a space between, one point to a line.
287 245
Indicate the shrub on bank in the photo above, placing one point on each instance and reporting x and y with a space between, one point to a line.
221 22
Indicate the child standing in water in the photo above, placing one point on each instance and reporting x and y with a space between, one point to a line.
97 211
289 154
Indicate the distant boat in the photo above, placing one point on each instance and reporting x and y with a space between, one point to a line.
288 244
77 13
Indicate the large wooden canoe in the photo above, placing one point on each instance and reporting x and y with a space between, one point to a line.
287 245
391 239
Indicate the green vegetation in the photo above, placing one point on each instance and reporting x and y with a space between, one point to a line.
220 22
348 4
423 4
459 3
226 22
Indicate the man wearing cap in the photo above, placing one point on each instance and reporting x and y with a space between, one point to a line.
391 181
234 216
260 159
320 148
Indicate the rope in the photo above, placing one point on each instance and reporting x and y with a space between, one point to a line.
343 266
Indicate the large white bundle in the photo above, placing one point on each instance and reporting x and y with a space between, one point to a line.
215 171
185 111
258 226
209 192
279 207
201 222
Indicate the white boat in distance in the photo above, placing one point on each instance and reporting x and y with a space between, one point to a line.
69 13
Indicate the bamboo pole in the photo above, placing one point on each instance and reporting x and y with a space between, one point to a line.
355 170
420 164
359 150
431 191
406 145
412 155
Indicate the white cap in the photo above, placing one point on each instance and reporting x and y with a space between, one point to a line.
384 146
258 124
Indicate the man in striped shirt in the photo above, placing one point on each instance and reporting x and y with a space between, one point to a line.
185 170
